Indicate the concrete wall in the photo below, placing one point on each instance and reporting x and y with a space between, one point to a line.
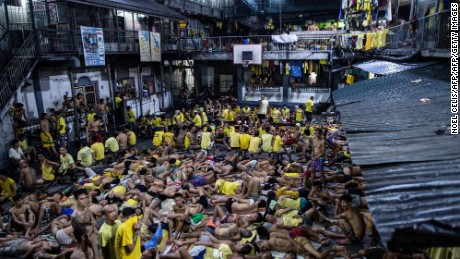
6 131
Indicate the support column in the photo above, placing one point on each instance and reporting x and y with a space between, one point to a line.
197 66
285 87
37 91
240 83
76 120
141 96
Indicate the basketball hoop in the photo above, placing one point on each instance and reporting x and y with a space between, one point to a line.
245 63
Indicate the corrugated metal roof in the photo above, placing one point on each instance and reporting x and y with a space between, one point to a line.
413 174
381 67
149 7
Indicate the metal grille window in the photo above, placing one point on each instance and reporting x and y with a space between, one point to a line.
89 93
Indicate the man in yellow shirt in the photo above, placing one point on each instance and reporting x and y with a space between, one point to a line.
276 115
298 115
118 108
158 137
267 141
85 155
132 139
197 119
168 138
98 149
309 108
245 139
130 115
277 144
286 113
111 146
206 139
61 129
108 230
234 139
254 143
7 187
127 238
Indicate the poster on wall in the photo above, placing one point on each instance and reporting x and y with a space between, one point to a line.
144 46
155 46
93 46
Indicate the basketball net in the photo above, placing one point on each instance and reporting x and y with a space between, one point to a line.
245 63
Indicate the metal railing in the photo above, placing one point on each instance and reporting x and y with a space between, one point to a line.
216 44
61 41
430 32
17 69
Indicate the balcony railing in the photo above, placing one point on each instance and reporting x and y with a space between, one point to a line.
65 41
308 41
430 32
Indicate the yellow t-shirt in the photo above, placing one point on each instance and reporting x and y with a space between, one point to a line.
277 143
227 188
132 139
286 192
90 116
234 139
47 172
299 115
291 219
66 161
204 118
112 144
131 116
85 156
261 131
125 237
119 189
225 114
180 117
244 141
106 238
186 141
206 140
158 138
118 101
5 186
229 130
246 110
98 149
309 106
61 122
231 116
254 144
197 120
289 203
267 142
285 112
23 145
168 138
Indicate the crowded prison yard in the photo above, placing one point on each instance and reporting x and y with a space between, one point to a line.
211 181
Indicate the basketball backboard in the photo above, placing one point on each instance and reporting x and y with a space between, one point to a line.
248 52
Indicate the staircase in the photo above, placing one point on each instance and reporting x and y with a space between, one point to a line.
16 71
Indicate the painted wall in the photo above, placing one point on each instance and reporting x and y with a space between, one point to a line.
54 84
6 131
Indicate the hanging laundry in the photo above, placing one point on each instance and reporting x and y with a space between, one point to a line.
296 69
305 67
368 41
287 68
